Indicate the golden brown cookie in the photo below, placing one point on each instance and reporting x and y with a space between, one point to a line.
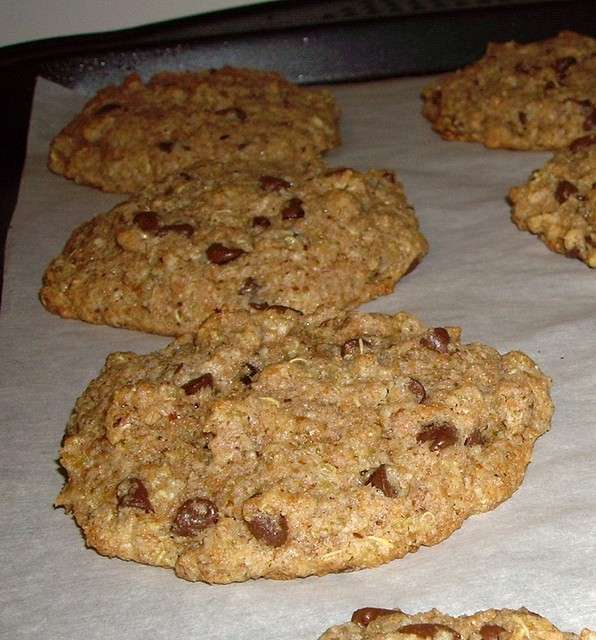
215 238
558 203
132 135
519 96
267 445
371 623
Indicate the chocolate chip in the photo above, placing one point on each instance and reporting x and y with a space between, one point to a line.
522 117
390 177
107 108
366 615
436 97
249 287
582 143
549 86
562 65
292 210
261 221
181 228
185 176
436 339
239 113
252 371
271 183
133 493
475 438
417 388
194 515
272 530
491 631
590 121
282 308
379 480
147 221
427 630
217 253
196 384
166 147
564 191
439 435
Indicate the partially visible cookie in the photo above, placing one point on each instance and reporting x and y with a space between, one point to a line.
494 624
520 96
131 135
268 445
558 203
215 238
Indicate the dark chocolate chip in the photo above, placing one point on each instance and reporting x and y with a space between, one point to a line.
436 339
439 435
204 381
261 221
564 191
147 221
522 117
379 480
366 615
417 388
249 287
217 253
181 228
133 493
590 121
491 631
574 253
246 378
165 146
389 176
582 143
272 530
271 183
236 111
427 630
475 438
108 108
259 306
194 515
292 210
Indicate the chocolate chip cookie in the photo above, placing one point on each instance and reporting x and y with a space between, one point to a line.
134 134
269 445
558 203
493 624
520 96
215 238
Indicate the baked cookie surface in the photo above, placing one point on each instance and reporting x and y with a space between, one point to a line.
131 135
492 624
265 445
519 96
558 203
320 241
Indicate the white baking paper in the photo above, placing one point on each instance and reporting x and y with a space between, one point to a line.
501 285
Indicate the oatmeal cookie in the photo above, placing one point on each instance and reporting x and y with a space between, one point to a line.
267 445
493 624
131 135
558 203
520 96
215 238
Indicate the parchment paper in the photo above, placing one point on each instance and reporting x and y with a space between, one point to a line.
501 285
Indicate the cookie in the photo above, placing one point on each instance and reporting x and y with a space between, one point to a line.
268 445
558 203
520 96
134 134
493 624
319 242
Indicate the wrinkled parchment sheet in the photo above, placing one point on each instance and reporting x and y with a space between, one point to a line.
501 285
